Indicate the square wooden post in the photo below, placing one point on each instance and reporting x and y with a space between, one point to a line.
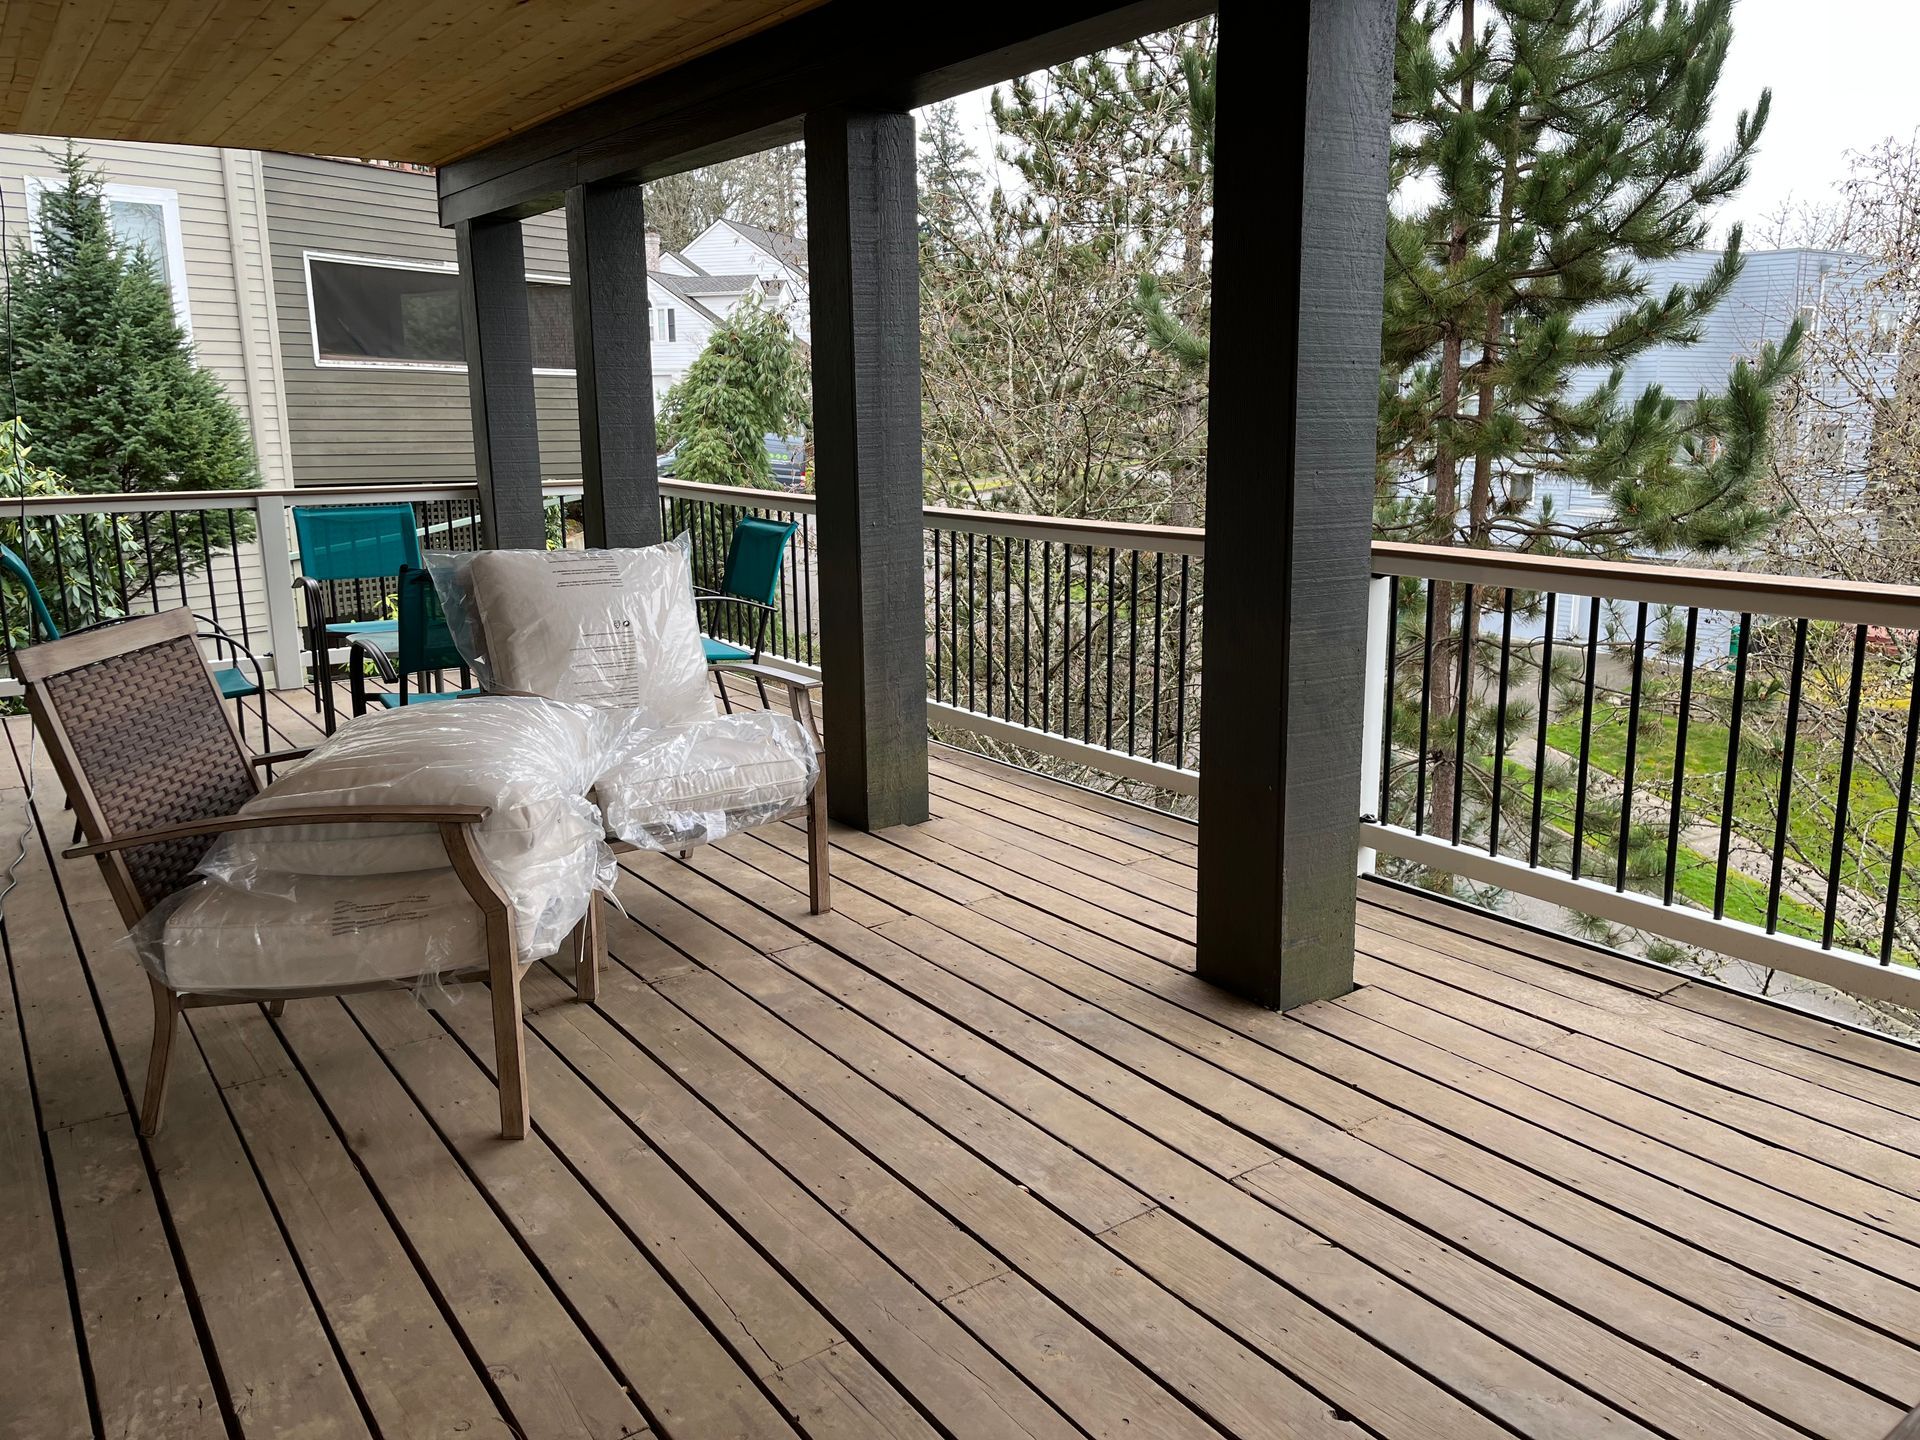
499 345
1299 246
863 254
607 262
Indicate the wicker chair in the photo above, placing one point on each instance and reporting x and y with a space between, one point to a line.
133 719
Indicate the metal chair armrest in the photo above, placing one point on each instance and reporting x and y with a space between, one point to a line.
280 757
365 647
767 672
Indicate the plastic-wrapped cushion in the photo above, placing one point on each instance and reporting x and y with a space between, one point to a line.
295 932
612 628
697 783
531 762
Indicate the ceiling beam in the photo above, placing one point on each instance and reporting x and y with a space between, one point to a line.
755 93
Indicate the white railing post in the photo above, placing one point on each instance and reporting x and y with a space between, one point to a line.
276 572
1374 716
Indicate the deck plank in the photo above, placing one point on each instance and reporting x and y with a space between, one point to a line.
974 1155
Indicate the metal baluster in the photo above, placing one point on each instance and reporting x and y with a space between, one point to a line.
934 535
1086 646
1046 634
970 621
1586 738
1107 610
1794 680
953 614
1386 713
1733 762
1680 755
1180 695
206 552
1466 642
1026 632
239 581
1901 815
1133 649
179 556
1159 643
1006 625
1426 717
987 587
1633 746
1844 794
119 562
1499 723
1540 738
86 551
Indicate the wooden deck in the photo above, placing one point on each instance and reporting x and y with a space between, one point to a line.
974 1156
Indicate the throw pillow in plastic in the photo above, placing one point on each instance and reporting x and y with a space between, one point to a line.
693 784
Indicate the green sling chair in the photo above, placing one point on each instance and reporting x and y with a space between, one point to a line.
348 544
749 588
422 648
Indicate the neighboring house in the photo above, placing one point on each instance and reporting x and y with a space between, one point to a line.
325 295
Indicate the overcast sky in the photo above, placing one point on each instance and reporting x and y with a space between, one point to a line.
1845 75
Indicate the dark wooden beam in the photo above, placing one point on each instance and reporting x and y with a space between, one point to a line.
612 348
863 259
754 94
499 343
1299 239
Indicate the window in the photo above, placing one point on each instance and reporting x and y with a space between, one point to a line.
661 317
1886 331
392 313
141 218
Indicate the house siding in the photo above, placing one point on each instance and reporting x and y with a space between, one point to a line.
387 426
227 303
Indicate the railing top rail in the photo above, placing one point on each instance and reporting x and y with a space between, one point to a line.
1101 534
1845 601
795 502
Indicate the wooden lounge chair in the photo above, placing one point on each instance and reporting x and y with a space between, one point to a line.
134 721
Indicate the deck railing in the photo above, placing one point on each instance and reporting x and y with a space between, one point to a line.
1723 760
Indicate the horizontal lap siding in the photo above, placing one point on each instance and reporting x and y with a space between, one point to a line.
353 426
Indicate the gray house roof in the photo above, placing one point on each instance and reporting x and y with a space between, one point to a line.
704 284
677 285
784 248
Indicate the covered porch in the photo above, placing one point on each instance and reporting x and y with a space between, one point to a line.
976 1155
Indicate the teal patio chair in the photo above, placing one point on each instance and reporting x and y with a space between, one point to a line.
749 588
422 648
235 683
354 546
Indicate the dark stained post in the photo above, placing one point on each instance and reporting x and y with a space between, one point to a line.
607 262
499 343
1299 244
863 259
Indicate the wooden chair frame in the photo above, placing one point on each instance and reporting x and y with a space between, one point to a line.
457 825
799 690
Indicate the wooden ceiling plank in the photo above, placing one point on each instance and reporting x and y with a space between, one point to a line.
331 57
222 63
172 30
75 29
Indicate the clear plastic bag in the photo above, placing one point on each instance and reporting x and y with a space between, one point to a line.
609 628
693 784
310 906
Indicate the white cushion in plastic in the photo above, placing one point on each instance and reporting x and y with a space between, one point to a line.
530 761
696 783
315 931
597 627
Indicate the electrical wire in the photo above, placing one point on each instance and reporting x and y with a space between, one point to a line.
12 873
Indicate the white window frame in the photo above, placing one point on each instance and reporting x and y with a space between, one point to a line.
377 262
670 326
174 262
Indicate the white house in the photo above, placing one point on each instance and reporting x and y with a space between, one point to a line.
728 251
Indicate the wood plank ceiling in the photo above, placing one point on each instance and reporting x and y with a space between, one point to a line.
416 80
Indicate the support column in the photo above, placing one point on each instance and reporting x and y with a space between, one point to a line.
863 261
499 345
1299 244
612 346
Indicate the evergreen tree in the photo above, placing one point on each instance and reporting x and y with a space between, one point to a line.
102 373
749 381
1543 150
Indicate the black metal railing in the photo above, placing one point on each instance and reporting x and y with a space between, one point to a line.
707 515
1728 748
1081 631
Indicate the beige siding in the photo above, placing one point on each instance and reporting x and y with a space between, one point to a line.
210 193
386 426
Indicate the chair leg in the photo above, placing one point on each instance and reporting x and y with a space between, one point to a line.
591 939
720 683
819 880
275 1008
509 1032
166 1019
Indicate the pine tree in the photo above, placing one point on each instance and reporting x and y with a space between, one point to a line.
748 381
102 373
1543 151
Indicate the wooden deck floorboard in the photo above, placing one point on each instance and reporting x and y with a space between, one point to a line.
975 1155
